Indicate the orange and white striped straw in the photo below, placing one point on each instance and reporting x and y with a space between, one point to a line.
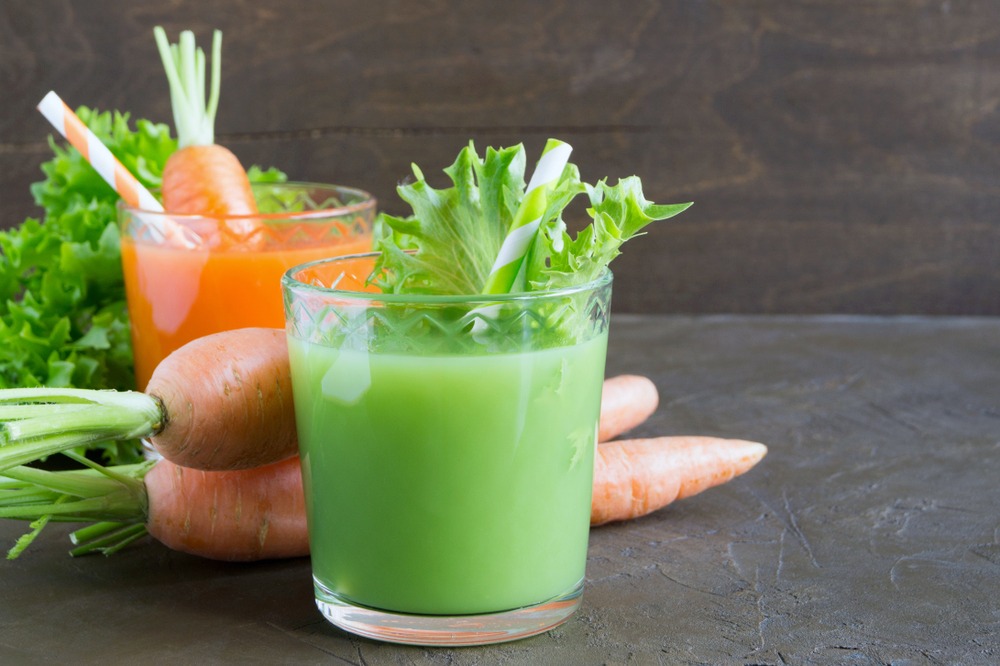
104 162
112 171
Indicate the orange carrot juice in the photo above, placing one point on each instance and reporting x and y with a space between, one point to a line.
226 279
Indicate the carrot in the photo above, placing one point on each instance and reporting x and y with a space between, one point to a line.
626 401
221 402
206 180
246 515
635 477
233 516
226 400
260 513
201 177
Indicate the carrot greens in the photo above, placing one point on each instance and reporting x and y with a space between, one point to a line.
115 496
185 68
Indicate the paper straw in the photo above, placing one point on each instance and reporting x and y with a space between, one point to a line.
107 165
110 169
528 217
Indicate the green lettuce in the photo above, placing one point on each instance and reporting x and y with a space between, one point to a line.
63 320
449 243
618 213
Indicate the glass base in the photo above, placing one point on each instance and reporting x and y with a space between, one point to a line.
444 630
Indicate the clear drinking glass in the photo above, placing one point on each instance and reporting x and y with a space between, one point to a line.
224 273
447 448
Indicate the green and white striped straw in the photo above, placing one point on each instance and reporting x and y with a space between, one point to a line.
528 217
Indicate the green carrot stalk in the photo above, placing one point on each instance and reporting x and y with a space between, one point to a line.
185 67
78 417
116 497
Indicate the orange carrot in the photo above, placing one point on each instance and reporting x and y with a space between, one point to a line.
223 402
206 180
201 177
220 402
247 515
639 476
260 513
626 401
226 400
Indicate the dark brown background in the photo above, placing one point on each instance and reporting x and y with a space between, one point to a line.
843 156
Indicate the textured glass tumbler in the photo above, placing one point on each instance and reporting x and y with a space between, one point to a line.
447 448
224 272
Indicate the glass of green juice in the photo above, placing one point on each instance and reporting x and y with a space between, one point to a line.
447 448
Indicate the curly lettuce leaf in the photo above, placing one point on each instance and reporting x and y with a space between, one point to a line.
618 214
449 243
63 320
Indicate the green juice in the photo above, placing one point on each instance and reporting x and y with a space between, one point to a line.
448 484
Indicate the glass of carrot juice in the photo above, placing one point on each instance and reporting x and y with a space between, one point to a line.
447 450
187 276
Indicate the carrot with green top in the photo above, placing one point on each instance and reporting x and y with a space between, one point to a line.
201 177
221 402
260 513
244 515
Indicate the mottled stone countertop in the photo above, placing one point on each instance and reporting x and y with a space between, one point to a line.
869 534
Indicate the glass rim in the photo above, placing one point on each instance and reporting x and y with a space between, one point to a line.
290 282
367 201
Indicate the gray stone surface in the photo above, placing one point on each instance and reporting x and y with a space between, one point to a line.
870 534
